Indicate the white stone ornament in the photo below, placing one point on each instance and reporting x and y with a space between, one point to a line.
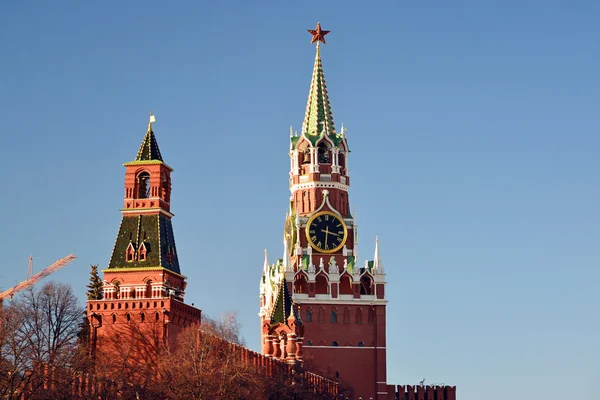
333 267
311 268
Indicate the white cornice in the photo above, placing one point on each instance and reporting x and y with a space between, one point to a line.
302 298
318 184
146 211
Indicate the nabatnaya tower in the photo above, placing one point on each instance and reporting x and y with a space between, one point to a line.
143 285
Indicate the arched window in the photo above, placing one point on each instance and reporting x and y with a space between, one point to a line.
300 284
308 343
358 318
308 316
143 183
345 284
346 315
335 343
334 317
164 187
371 315
114 319
321 314
321 285
128 316
130 253
366 285
142 252
361 344
324 155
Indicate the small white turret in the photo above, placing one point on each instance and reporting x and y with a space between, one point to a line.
377 265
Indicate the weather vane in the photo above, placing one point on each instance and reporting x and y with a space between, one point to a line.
152 119
318 35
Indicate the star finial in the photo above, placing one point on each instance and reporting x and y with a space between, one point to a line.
318 35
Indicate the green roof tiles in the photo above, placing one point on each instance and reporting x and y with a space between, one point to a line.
156 233
318 119
149 149
283 305
294 140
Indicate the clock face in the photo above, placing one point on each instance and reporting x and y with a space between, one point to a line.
326 232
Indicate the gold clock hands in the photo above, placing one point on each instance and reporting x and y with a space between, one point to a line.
327 231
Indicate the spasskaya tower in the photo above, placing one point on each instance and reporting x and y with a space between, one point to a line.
337 305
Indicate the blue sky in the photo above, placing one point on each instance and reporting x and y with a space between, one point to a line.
474 130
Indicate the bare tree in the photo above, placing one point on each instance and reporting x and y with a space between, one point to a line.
13 359
227 327
38 328
205 366
50 322
210 363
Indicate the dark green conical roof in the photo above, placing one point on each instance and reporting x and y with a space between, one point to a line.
149 149
155 233
283 305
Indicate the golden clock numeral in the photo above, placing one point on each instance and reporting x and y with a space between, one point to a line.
326 217
319 219
339 239
340 232
314 239
311 231
319 244
326 246
338 225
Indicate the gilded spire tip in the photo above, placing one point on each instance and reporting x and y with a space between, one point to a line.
152 119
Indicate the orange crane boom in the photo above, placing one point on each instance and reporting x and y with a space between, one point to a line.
37 277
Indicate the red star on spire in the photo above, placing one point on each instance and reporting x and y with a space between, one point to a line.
318 34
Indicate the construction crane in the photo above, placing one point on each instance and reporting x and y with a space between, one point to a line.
35 278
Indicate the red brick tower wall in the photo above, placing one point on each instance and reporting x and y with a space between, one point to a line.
143 286
342 304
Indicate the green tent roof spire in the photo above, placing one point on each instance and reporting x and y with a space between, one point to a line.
149 149
283 307
318 119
